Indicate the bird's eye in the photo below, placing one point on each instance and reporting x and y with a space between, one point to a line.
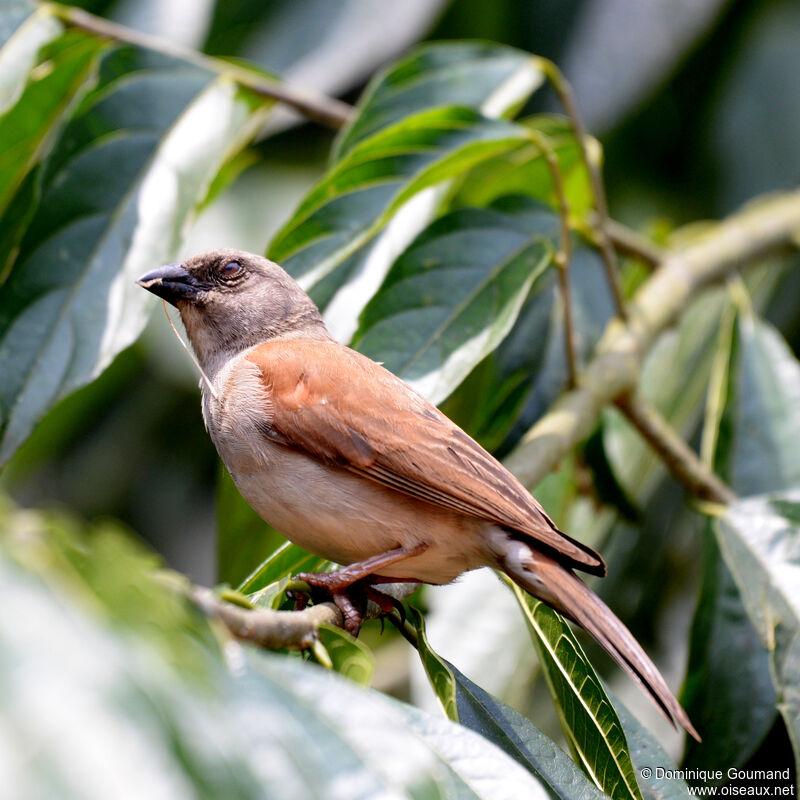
231 269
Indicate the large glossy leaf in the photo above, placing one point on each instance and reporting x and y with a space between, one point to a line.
752 425
90 657
111 201
661 780
524 170
267 580
328 241
455 761
760 540
451 298
385 187
474 623
467 703
13 13
588 718
34 117
755 415
304 40
726 660
482 75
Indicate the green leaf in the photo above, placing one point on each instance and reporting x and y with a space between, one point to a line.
512 388
752 425
759 420
115 192
303 40
759 537
287 560
726 662
482 75
22 34
524 170
661 782
458 762
453 295
31 122
437 669
385 187
350 657
364 191
75 672
244 540
476 709
588 718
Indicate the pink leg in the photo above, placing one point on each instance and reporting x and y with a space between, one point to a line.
339 583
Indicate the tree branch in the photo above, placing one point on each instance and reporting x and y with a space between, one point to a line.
677 456
632 243
743 238
326 110
291 630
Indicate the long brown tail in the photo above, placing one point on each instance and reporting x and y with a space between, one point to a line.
559 587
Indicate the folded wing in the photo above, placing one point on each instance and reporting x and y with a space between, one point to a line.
344 409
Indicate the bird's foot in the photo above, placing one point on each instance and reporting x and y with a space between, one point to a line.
351 597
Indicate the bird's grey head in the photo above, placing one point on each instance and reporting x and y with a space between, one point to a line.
230 300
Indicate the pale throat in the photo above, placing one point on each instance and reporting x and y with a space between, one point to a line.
212 351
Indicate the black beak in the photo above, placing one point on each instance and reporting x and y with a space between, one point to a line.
172 282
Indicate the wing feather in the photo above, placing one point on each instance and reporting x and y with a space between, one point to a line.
344 409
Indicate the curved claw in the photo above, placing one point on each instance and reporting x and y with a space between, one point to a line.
385 602
348 595
352 616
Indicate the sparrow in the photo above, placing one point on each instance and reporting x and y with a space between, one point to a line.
353 465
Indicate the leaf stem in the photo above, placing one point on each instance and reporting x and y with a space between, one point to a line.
564 91
563 256
405 628
327 111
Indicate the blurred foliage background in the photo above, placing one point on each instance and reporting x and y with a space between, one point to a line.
697 109
690 102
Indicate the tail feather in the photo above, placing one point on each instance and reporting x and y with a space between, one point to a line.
559 587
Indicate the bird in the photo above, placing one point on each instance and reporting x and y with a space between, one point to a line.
352 464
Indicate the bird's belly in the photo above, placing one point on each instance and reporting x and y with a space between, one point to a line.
345 518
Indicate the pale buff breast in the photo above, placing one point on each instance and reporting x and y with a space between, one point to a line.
327 510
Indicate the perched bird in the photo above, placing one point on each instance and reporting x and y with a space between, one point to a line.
352 464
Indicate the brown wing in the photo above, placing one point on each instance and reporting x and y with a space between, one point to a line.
345 409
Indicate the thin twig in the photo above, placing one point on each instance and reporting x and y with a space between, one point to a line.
325 110
563 256
742 239
632 243
564 91
677 456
